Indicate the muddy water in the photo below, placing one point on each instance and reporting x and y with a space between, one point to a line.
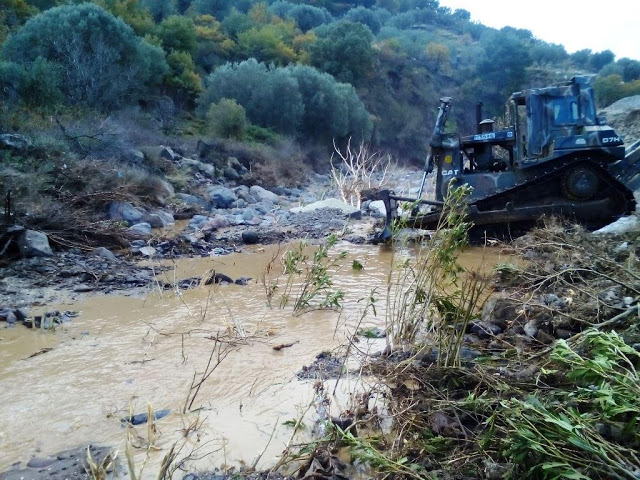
122 353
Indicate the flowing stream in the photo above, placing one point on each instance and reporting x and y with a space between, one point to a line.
123 352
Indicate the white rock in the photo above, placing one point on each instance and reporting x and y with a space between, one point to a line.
333 203
261 194
622 225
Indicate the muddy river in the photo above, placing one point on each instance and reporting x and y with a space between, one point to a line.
122 353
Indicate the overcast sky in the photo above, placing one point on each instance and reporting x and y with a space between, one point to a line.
599 25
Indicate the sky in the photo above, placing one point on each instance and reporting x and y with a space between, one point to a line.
599 25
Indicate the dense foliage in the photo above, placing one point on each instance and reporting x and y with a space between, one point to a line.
372 69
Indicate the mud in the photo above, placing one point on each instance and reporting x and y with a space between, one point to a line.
122 352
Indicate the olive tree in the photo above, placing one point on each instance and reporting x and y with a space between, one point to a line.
103 63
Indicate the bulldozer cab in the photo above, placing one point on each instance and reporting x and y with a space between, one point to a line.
545 114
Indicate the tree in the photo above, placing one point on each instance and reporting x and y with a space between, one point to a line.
608 89
344 50
600 59
13 14
227 119
182 74
216 8
365 16
438 55
331 110
160 9
581 58
178 33
308 17
102 61
269 96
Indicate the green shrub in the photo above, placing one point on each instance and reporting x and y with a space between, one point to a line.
227 119
102 62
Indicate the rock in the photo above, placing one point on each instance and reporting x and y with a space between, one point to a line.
141 418
261 194
155 220
220 278
140 229
531 329
21 314
378 207
221 197
231 174
37 462
11 318
332 203
191 199
167 153
563 333
148 251
262 208
250 237
83 288
125 212
133 156
411 235
166 217
544 338
622 225
15 141
34 244
485 329
242 281
243 192
197 166
105 253
218 221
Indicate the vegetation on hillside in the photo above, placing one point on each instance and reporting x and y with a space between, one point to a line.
369 69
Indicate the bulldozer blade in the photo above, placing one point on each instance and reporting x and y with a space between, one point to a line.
627 171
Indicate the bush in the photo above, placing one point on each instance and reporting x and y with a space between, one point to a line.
101 59
293 99
227 119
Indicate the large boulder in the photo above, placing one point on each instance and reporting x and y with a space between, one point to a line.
221 197
620 226
125 212
34 244
331 203
200 167
261 194
624 116
140 229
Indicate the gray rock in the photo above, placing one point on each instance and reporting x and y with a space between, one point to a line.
231 174
242 281
249 213
485 329
166 217
148 251
83 288
197 166
250 237
37 462
140 229
155 220
531 329
105 253
332 203
11 318
240 203
218 221
261 194
34 244
243 192
15 141
167 153
125 212
191 199
262 208
221 197
138 243
377 206
21 314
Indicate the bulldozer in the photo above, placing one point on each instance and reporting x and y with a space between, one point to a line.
556 157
